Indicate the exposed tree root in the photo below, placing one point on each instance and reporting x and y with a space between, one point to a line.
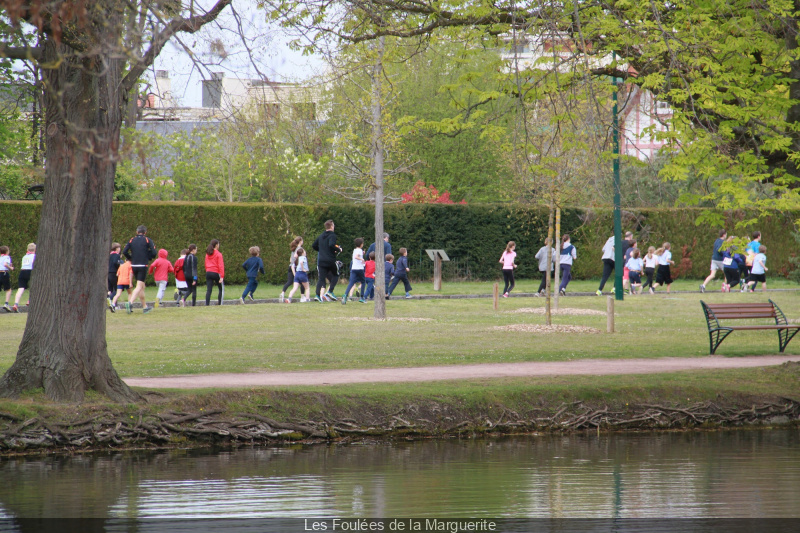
110 430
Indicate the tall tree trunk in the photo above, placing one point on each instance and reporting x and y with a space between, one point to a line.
377 171
548 317
558 255
63 348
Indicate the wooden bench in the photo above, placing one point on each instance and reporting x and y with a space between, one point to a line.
717 332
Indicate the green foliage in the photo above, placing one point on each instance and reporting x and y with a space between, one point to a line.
475 234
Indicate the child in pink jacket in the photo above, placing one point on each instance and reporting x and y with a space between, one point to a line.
161 268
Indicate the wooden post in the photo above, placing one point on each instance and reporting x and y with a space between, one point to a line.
437 272
496 296
610 315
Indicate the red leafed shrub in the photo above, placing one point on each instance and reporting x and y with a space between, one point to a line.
423 194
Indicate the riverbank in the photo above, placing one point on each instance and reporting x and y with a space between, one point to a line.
768 396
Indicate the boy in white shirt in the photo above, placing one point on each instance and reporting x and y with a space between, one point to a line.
24 281
357 271
6 266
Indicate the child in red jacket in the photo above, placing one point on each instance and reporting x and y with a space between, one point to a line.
160 268
181 287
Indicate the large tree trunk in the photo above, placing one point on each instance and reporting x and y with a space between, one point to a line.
63 349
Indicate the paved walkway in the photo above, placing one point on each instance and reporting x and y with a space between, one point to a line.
592 367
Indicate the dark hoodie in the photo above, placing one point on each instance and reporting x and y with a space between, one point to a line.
190 268
327 248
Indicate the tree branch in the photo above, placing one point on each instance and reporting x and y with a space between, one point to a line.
25 53
188 25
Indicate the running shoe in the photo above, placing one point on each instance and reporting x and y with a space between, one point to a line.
241 301
362 301
536 295
599 292
702 288
344 300
250 297
652 291
6 308
15 308
128 307
408 296
281 297
331 296
505 295
562 292
147 310
112 308
317 299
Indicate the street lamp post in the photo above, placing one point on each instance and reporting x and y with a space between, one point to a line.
618 257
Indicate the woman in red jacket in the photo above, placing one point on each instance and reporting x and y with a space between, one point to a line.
215 271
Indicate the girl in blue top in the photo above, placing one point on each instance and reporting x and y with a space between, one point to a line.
634 266
759 270
300 271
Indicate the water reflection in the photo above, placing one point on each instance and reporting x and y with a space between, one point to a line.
719 474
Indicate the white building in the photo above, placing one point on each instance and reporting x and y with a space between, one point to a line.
640 113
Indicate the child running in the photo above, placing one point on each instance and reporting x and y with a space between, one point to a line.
190 273
568 255
124 281
180 278
507 260
113 268
401 274
650 264
6 266
369 273
215 271
299 275
295 244
731 263
161 268
759 270
663 276
388 270
634 266
541 255
252 266
357 271
24 281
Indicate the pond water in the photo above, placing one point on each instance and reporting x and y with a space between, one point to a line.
747 474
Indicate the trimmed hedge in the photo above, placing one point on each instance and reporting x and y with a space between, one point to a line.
471 234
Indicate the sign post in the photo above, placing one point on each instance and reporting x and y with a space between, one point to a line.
437 256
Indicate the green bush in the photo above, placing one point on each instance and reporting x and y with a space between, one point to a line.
474 236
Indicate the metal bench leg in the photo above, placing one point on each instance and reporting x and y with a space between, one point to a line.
716 337
784 337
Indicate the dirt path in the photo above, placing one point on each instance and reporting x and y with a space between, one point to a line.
592 367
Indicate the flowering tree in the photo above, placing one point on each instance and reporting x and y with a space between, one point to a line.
423 194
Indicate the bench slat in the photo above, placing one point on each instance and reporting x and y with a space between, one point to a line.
740 306
766 326
733 315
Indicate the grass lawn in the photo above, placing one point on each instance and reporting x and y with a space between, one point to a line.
310 336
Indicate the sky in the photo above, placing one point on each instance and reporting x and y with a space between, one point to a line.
269 55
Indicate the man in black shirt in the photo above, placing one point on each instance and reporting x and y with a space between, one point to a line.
326 248
140 250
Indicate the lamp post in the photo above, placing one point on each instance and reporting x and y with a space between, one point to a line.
618 257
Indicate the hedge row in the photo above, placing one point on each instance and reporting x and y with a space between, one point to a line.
473 235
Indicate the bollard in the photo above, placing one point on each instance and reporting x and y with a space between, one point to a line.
610 315
496 295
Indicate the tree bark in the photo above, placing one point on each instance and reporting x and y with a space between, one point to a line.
377 170
63 349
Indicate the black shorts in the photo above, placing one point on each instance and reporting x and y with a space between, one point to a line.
140 273
24 280
635 278
663 276
5 281
758 277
